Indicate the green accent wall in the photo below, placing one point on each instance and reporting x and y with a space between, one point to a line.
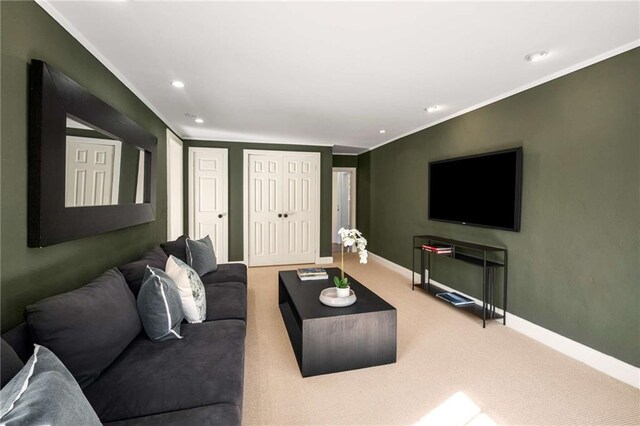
345 161
236 159
30 274
574 268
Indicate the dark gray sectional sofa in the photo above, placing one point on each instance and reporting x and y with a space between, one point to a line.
197 380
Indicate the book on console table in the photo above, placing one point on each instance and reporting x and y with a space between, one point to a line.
455 299
437 249
308 274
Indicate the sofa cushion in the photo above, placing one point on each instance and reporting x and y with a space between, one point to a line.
10 363
45 393
200 255
209 415
227 272
191 289
177 248
20 340
134 271
89 327
226 301
204 368
159 306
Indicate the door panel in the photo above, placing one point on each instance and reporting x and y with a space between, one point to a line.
300 183
90 178
265 195
175 196
209 198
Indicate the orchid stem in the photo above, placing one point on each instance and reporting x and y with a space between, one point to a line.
342 259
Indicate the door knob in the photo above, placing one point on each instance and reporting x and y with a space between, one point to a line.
220 216
286 215
279 214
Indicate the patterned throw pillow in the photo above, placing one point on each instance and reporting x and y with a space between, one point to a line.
191 289
200 255
159 306
45 393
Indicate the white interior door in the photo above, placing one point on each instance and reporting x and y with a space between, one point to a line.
92 171
282 220
175 179
208 204
265 209
299 208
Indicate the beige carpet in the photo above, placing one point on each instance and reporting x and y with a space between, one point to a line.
449 370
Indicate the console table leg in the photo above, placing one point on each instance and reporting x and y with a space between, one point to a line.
504 289
422 269
484 289
492 283
413 265
429 273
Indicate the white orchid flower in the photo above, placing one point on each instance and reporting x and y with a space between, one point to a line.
353 237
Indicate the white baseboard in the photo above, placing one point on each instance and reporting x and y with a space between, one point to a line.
238 261
604 363
324 260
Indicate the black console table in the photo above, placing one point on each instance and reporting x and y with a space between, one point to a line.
475 254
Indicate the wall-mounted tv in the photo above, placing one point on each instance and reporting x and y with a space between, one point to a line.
479 190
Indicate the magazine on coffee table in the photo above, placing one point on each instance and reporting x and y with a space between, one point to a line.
308 274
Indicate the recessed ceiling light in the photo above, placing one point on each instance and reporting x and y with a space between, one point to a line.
536 56
177 84
199 120
432 108
382 131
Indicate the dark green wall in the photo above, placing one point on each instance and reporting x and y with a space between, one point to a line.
30 274
236 158
574 266
345 161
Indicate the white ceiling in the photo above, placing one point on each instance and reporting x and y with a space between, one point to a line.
335 73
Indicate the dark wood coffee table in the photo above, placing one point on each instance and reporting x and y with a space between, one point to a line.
328 340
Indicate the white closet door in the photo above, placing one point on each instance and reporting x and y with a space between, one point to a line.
299 185
175 182
208 203
282 207
265 204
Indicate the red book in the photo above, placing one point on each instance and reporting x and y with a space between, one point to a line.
436 249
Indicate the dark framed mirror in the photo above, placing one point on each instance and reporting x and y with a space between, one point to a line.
91 169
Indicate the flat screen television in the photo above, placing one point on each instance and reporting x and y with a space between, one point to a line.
479 190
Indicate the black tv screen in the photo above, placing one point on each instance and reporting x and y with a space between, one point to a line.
481 190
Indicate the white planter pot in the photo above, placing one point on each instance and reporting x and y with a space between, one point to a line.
342 292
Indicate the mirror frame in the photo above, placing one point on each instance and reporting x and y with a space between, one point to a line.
53 96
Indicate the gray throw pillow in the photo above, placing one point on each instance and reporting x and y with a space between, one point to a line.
134 271
45 393
159 306
89 327
200 255
176 248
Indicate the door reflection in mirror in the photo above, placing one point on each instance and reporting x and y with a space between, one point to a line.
101 170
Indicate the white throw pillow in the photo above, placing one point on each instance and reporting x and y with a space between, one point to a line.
191 289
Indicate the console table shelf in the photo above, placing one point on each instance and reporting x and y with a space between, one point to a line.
460 251
469 259
476 310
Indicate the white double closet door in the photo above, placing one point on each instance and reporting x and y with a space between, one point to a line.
283 207
209 199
